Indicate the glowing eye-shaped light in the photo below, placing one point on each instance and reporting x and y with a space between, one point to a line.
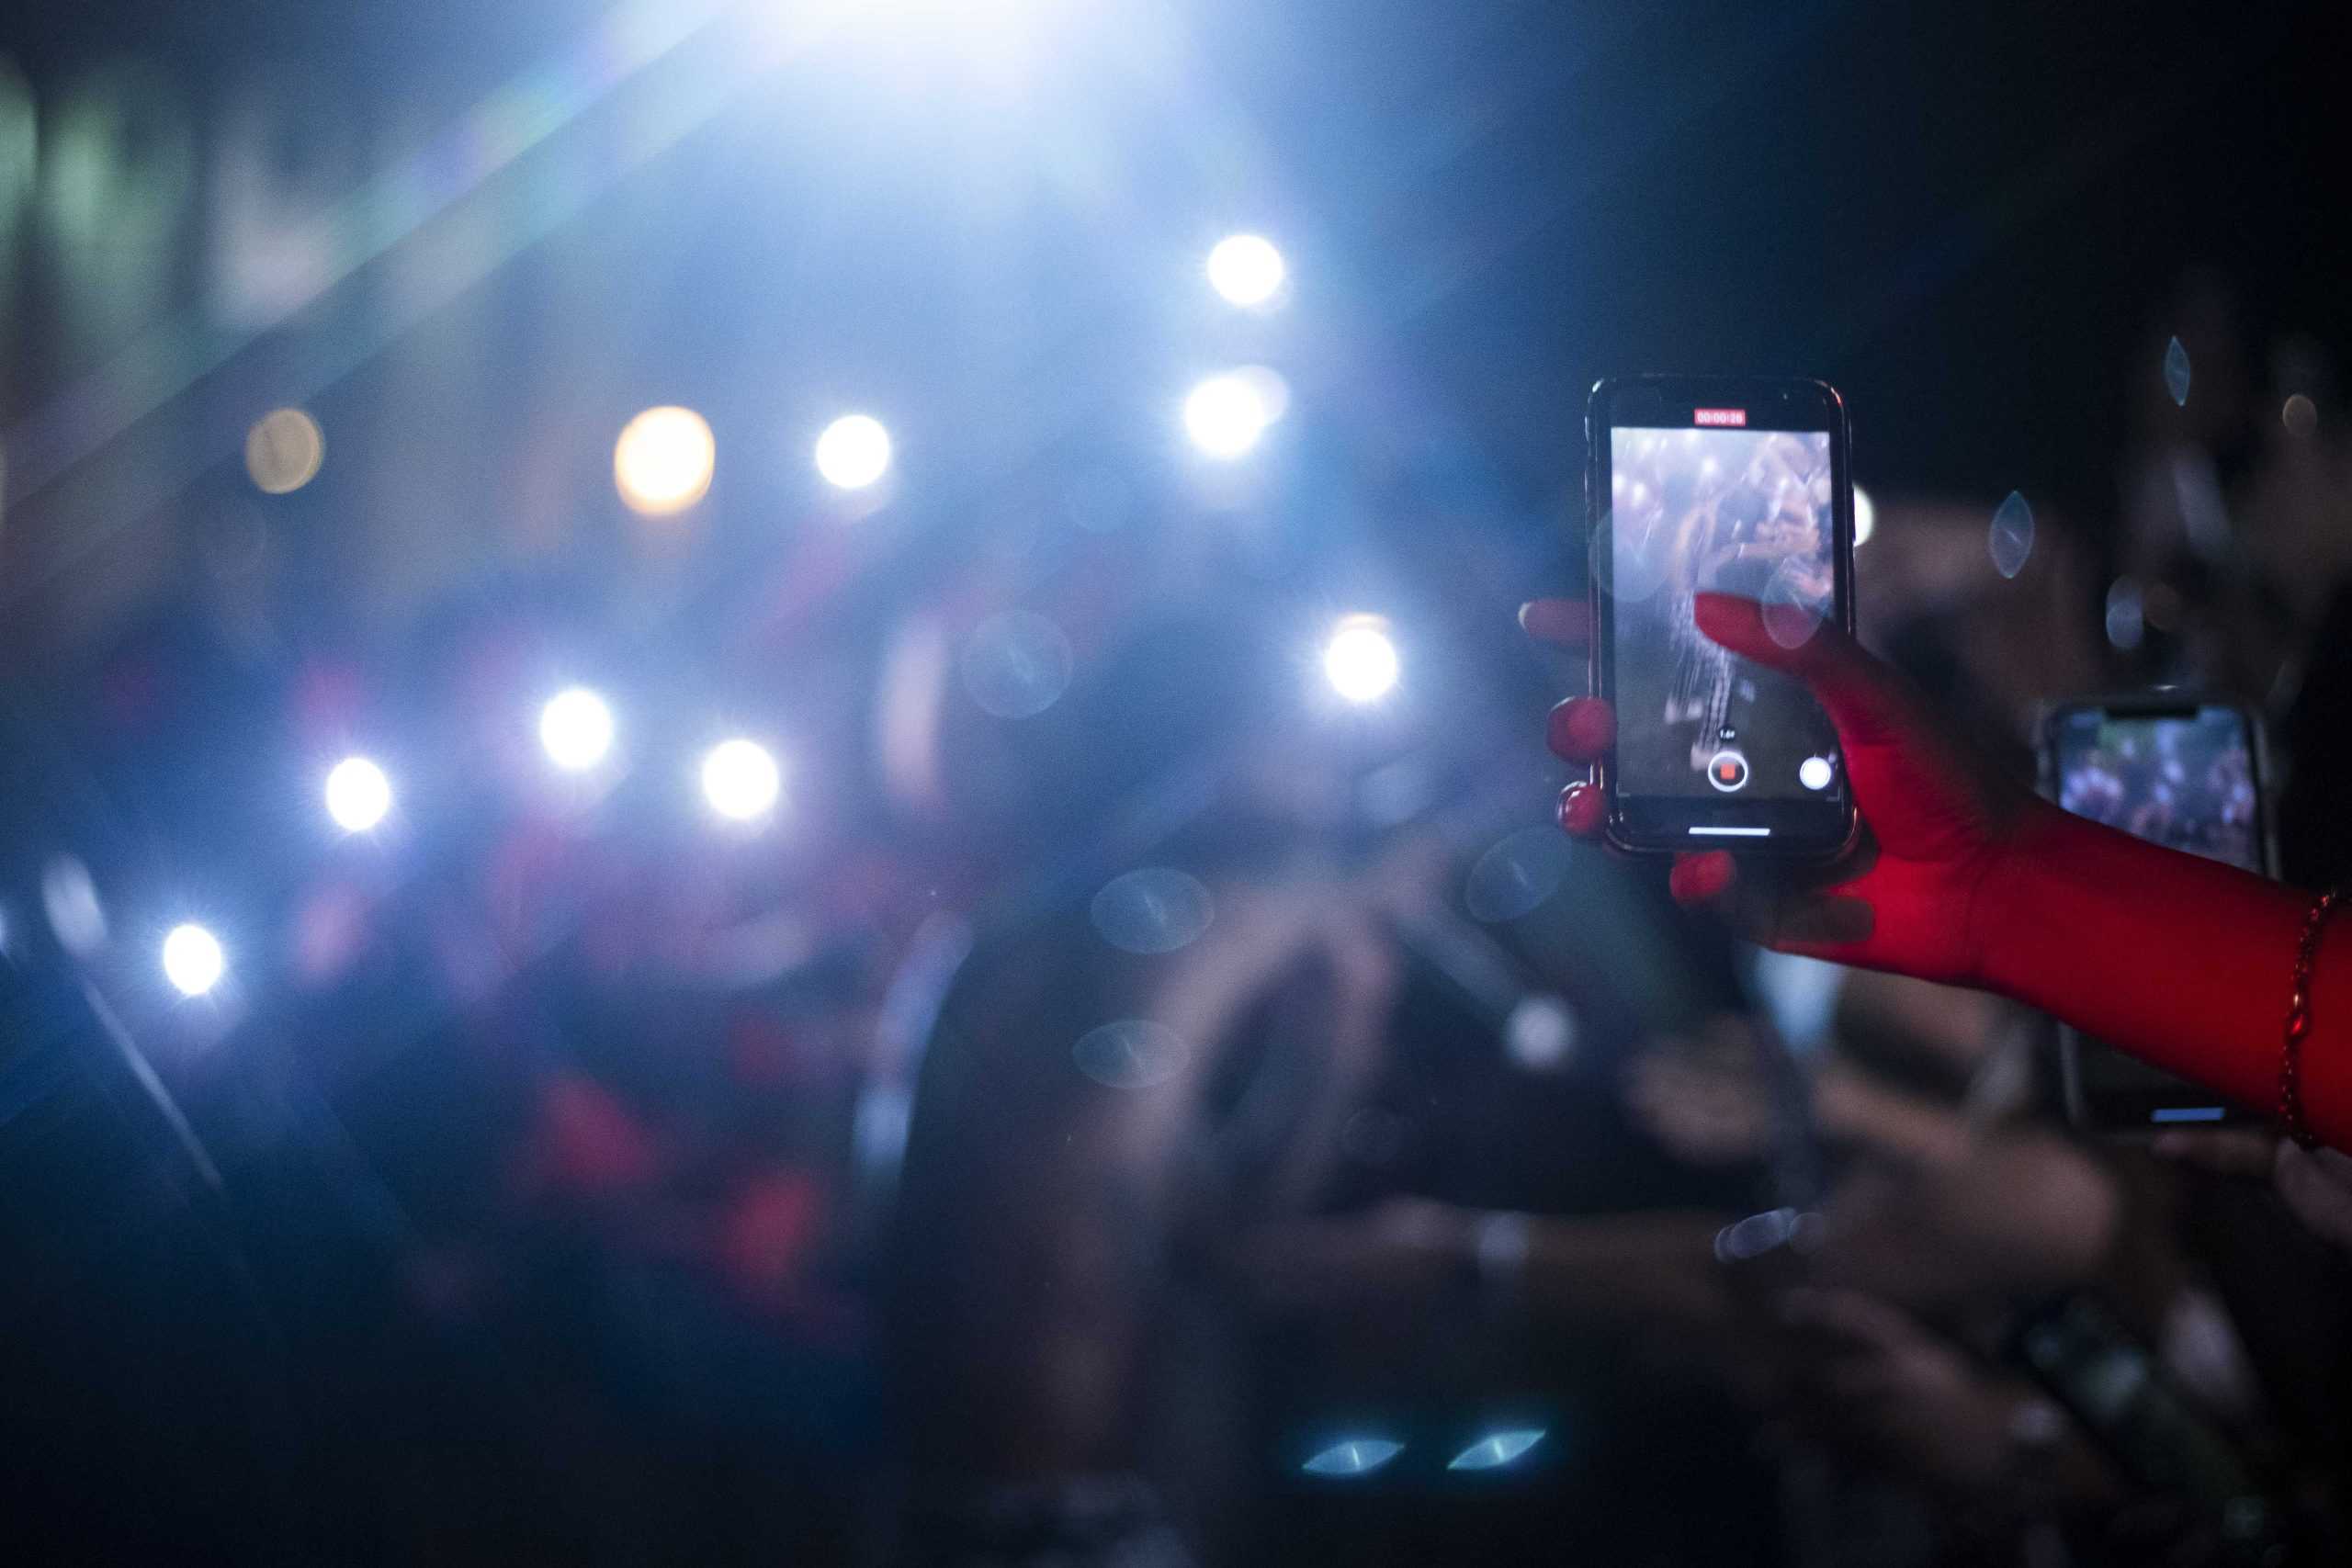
853 452
576 730
1246 269
193 961
741 780
663 460
358 795
1357 1455
1495 1450
1360 661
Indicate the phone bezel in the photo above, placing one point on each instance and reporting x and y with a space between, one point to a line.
2103 1114
1665 402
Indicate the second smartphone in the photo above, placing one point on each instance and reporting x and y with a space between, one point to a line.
2179 771
1740 486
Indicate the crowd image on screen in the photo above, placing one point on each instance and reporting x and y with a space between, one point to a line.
2184 782
1730 511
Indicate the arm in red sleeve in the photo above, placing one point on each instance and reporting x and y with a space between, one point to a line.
1966 876
2185 962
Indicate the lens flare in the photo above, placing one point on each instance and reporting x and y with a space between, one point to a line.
358 795
663 460
1494 1451
1360 661
741 780
283 451
1246 269
1357 1455
853 452
193 961
576 730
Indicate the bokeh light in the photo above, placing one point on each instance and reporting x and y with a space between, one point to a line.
576 730
193 961
283 451
663 460
741 780
2011 536
1155 910
1226 415
1246 269
358 795
853 452
1134 1053
2299 414
1017 664
69 896
1541 1033
1360 660
1515 876
1865 518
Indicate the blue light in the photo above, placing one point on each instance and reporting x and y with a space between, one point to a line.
1357 1455
1497 1450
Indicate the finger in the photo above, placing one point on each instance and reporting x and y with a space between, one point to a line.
1566 621
1703 878
1850 1317
1583 812
2247 1152
2317 1185
1582 729
1864 697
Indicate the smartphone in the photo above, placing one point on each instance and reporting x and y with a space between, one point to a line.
1738 486
2182 772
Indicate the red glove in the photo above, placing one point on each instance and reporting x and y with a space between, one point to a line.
1964 876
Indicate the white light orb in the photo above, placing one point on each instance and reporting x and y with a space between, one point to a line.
741 780
193 961
663 460
1246 269
576 730
283 451
1360 661
358 795
853 452
1225 415
1816 772
1865 518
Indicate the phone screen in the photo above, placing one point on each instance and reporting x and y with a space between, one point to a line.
2184 778
1711 747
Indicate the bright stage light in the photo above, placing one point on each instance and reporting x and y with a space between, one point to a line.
358 795
576 730
741 780
663 460
1246 269
854 451
1360 661
1225 415
193 961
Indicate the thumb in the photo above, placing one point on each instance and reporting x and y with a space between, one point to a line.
1864 697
